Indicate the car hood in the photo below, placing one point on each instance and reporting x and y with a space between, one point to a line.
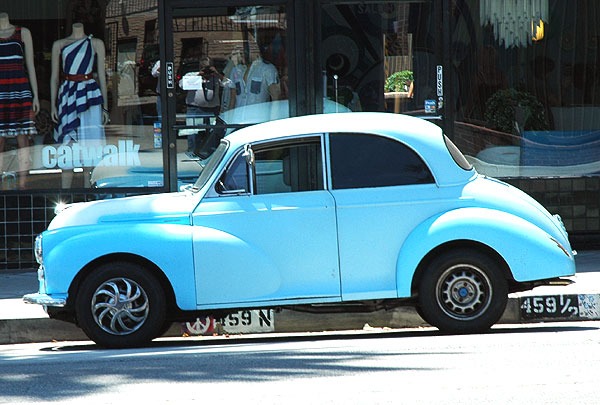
495 194
164 208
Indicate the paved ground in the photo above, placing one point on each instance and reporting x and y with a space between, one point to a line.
23 323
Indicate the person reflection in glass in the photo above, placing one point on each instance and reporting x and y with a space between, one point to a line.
203 97
235 71
259 84
262 79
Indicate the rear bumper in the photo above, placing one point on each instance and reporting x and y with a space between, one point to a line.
530 285
46 300
558 281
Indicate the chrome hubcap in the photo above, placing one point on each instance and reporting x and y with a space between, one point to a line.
464 292
120 306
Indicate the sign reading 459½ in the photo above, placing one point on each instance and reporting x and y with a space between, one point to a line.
552 306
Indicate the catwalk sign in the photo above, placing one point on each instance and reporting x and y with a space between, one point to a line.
125 153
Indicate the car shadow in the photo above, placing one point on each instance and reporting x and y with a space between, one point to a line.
376 333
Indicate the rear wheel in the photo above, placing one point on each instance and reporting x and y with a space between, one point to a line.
121 305
463 291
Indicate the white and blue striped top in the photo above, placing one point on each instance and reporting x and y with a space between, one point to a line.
75 97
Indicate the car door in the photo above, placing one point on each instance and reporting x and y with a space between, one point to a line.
382 190
268 232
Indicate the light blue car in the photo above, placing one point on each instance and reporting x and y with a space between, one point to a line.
325 213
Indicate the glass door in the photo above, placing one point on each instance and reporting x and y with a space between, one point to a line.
226 68
381 56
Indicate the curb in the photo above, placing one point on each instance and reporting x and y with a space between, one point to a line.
520 309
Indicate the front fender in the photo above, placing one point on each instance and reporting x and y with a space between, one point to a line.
68 250
529 251
234 255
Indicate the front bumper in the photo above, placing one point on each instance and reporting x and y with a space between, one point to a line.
45 299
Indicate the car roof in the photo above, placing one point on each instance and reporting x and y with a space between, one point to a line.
425 138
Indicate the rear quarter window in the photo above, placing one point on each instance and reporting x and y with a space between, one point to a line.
364 160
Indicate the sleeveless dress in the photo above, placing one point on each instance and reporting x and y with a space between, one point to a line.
16 100
79 100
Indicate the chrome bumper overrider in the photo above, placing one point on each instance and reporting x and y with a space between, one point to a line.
558 281
44 299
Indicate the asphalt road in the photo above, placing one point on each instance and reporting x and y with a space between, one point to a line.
538 363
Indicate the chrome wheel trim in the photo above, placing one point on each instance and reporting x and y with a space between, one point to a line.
464 292
120 306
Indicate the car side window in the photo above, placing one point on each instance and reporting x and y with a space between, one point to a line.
362 160
289 168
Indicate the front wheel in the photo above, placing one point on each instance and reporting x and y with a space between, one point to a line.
463 291
121 305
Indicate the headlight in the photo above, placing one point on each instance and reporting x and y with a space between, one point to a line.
60 207
38 249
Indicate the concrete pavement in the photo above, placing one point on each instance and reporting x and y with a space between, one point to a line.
26 323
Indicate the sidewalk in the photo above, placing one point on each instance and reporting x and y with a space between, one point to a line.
26 323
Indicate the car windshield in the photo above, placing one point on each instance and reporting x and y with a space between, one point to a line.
210 163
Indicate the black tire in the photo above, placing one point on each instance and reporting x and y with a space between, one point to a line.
164 329
134 318
462 291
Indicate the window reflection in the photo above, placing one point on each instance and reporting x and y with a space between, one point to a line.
231 68
93 97
527 107
247 49
379 57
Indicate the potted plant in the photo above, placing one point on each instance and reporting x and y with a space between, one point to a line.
399 81
514 111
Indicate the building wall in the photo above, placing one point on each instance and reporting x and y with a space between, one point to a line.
22 218
576 200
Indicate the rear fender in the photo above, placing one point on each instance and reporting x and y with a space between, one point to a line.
530 253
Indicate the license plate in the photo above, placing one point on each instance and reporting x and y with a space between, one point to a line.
249 321
549 306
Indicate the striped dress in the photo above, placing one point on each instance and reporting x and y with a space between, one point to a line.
79 102
16 111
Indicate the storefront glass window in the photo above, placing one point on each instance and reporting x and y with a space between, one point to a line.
528 97
77 99
231 69
380 57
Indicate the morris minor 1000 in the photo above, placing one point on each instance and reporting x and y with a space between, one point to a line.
325 213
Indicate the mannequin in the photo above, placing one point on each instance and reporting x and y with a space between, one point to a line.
79 120
236 75
261 79
19 92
